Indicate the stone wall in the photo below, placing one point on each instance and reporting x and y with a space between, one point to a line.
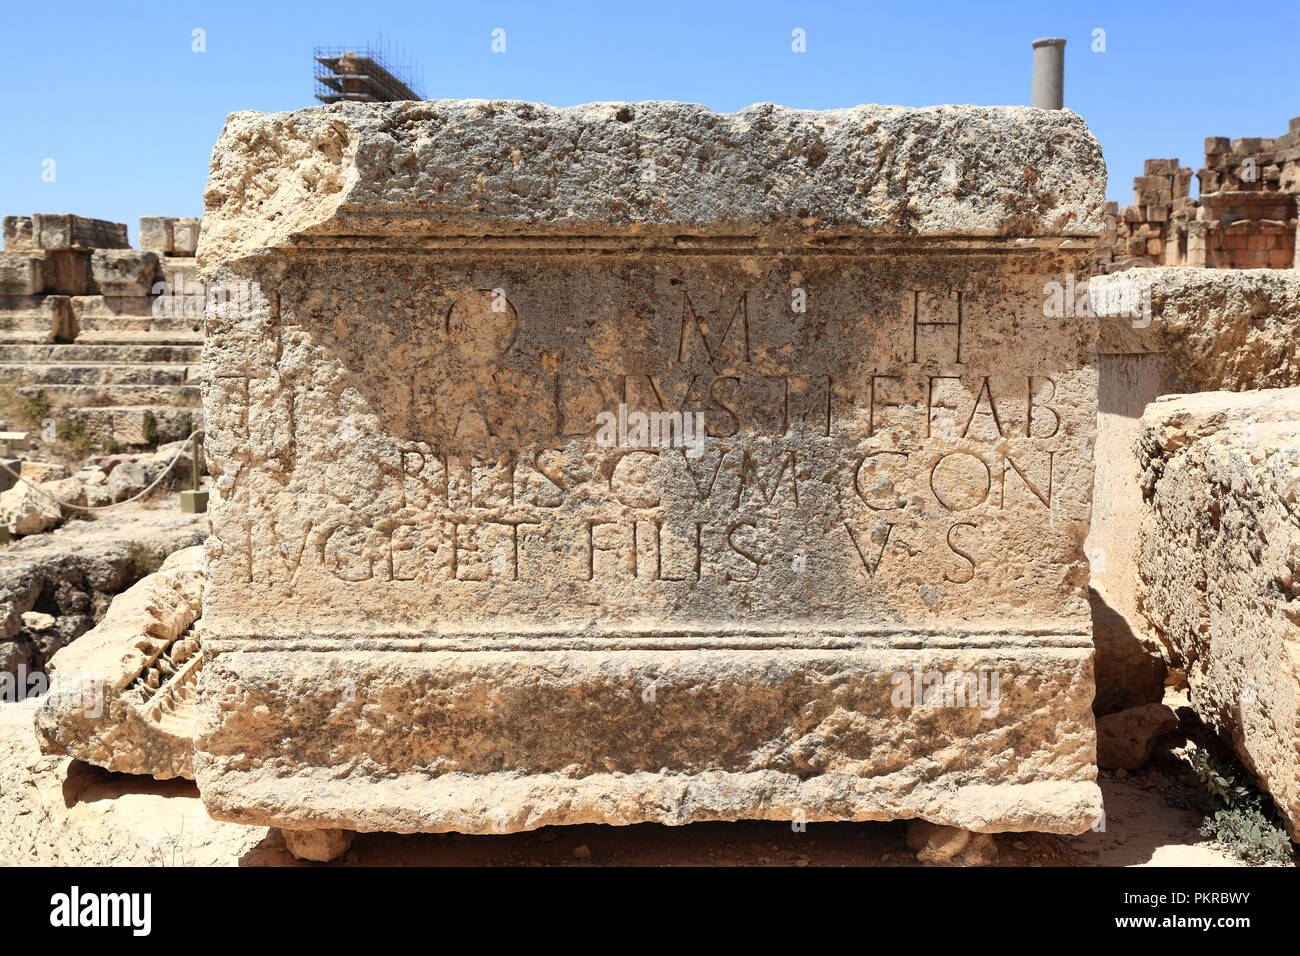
1244 218
1203 330
106 337
1219 568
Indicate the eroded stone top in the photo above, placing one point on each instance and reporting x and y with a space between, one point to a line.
449 166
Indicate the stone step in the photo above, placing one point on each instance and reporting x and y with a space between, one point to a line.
107 313
86 373
137 337
26 337
138 323
31 321
119 354
65 396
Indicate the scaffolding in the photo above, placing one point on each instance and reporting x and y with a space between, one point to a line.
365 74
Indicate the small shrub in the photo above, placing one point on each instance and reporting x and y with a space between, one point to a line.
35 408
143 561
114 447
1241 817
71 431
151 433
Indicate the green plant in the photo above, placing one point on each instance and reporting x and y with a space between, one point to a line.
71 430
150 429
114 447
1241 817
35 407
144 561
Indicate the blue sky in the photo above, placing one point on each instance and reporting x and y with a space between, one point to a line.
114 94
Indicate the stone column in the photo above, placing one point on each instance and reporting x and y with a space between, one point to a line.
1197 233
1048 87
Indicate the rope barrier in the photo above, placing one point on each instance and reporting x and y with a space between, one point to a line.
125 501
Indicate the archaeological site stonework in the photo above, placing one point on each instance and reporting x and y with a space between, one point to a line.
1219 568
1244 217
1200 330
443 597
100 336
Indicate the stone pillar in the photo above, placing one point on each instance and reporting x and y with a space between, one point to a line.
1197 233
1048 90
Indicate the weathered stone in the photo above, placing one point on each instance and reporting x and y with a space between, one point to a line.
68 272
73 572
67 492
17 233
1219 563
950 846
156 233
1125 738
319 846
27 510
185 236
124 272
64 231
441 598
39 471
21 274
122 695
126 481
37 621
1229 329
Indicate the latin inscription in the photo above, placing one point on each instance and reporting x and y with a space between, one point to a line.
895 469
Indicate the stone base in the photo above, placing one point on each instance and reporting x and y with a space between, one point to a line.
949 846
501 741
317 846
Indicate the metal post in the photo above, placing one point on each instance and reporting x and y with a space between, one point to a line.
194 502
1047 91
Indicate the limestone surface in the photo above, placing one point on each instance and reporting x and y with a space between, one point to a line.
122 696
632 462
1219 563
1127 737
73 572
25 510
1228 329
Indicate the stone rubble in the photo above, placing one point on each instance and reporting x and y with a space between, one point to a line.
122 695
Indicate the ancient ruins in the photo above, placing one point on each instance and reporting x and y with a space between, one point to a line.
1244 218
634 463
97 335
417 529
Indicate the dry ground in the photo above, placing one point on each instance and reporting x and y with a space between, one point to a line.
53 810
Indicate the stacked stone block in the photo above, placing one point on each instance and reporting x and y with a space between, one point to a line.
81 325
1245 217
